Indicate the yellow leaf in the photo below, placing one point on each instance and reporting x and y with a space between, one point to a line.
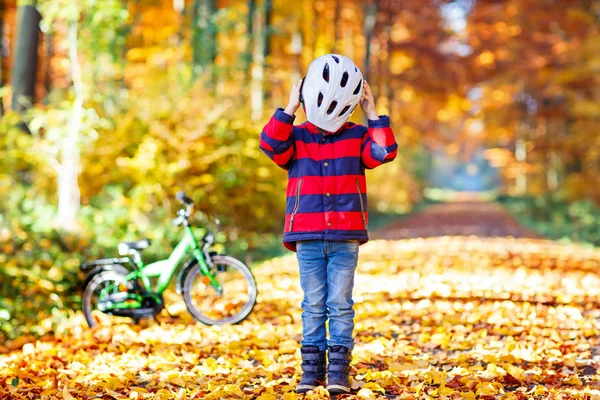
290 396
441 339
595 394
489 389
66 394
539 391
374 386
367 394
267 396
435 377
211 363
399 367
572 380
446 391
318 393
288 347
112 383
469 395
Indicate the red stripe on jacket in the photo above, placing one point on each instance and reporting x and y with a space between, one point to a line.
382 136
278 130
264 145
318 152
315 222
341 184
283 158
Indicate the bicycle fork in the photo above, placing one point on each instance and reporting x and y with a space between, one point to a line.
207 271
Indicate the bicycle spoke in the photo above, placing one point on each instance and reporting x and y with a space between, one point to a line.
104 284
231 305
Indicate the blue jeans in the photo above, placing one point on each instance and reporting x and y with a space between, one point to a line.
327 279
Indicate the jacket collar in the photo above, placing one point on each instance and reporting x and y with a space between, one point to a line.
312 128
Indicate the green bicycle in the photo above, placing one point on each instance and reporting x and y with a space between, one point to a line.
216 289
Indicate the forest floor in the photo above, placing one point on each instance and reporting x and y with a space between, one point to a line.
439 317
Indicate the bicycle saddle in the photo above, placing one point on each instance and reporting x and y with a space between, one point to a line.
125 247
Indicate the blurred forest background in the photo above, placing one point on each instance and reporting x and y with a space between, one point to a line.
108 108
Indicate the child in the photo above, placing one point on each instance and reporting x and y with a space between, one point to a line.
326 213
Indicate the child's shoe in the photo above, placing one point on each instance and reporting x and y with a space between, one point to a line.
338 370
313 368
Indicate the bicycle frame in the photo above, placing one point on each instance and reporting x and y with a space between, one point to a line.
165 269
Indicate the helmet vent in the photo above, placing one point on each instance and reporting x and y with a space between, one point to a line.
337 60
319 99
358 87
326 73
332 107
344 79
344 110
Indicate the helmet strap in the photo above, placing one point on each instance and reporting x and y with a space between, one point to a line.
301 98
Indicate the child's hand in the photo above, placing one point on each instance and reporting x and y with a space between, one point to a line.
294 99
367 103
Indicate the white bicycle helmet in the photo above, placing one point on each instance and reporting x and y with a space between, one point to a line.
330 91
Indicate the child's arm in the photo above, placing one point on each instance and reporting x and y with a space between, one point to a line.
277 139
378 143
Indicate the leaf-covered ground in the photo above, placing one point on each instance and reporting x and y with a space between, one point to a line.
436 318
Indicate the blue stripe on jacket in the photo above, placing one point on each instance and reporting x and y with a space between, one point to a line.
335 167
312 203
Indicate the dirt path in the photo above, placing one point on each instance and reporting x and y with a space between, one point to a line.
482 219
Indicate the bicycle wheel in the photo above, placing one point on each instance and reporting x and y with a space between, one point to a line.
112 280
233 304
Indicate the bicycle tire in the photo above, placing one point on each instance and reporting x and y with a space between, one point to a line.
218 262
116 271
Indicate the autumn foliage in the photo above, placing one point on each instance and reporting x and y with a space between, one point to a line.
139 99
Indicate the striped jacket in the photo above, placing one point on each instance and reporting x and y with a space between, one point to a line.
327 190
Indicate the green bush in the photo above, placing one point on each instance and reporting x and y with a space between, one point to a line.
553 217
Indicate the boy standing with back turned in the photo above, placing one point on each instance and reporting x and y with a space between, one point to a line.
326 211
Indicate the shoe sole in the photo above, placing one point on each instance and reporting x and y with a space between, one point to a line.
338 389
304 388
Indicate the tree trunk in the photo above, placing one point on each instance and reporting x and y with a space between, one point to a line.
348 49
179 6
383 79
521 157
553 171
69 201
370 11
204 49
247 57
267 29
258 67
49 45
24 71
296 50
336 27
1 55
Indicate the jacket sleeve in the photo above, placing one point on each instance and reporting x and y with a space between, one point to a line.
277 140
378 143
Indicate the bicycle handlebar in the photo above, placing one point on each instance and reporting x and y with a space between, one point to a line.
178 221
183 215
183 198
